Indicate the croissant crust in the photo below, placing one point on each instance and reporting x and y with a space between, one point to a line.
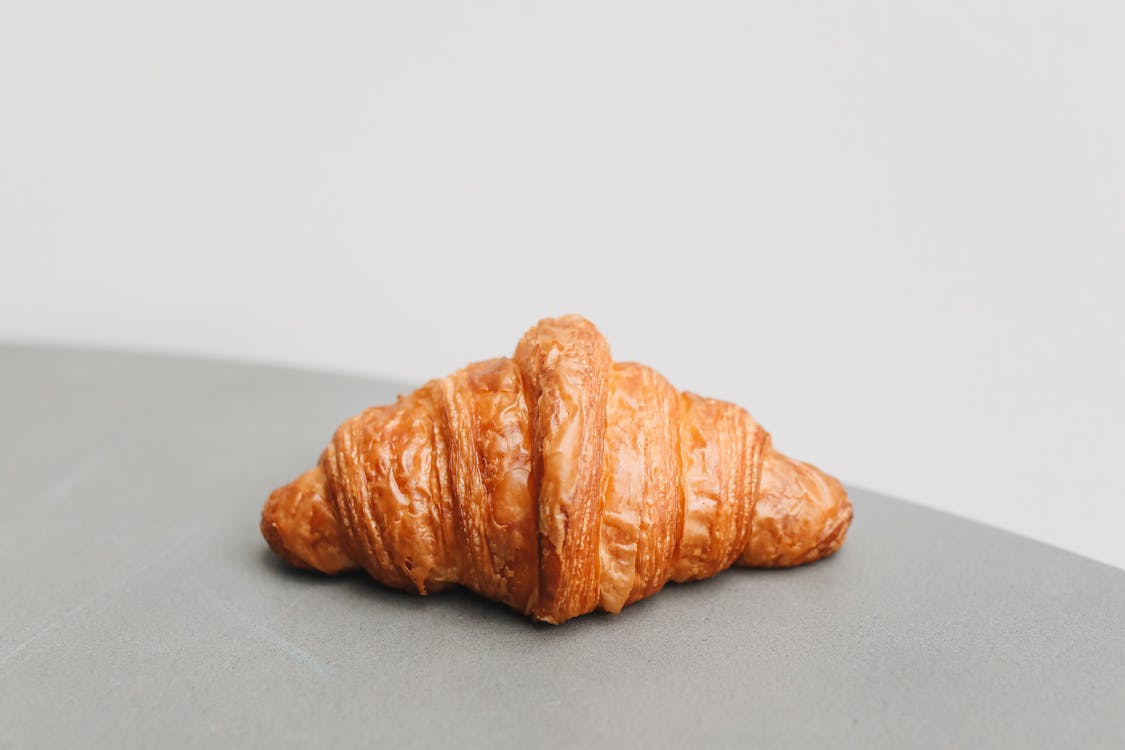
557 482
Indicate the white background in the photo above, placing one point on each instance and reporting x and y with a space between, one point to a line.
894 231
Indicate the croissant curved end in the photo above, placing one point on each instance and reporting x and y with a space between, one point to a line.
300 527
801 516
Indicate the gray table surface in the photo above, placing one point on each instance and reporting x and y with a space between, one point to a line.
140 607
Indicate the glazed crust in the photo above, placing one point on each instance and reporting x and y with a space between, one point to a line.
556 482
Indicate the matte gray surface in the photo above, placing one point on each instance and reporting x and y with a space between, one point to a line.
140 606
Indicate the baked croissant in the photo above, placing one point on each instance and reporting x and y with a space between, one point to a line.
557 482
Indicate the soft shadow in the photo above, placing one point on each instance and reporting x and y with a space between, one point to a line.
459 602
279 567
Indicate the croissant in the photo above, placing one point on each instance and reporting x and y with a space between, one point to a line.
556 482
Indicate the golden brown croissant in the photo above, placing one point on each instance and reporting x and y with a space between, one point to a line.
556 482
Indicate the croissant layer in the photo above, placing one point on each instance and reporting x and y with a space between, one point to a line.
556 482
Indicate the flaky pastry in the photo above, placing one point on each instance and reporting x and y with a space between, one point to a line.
557 482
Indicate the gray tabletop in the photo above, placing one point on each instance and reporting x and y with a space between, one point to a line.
139 606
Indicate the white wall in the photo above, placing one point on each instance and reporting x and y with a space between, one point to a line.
894 231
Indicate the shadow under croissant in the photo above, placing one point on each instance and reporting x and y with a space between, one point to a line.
468 603
360 585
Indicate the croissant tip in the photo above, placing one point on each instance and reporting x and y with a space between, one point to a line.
299 526
275 538
803 515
